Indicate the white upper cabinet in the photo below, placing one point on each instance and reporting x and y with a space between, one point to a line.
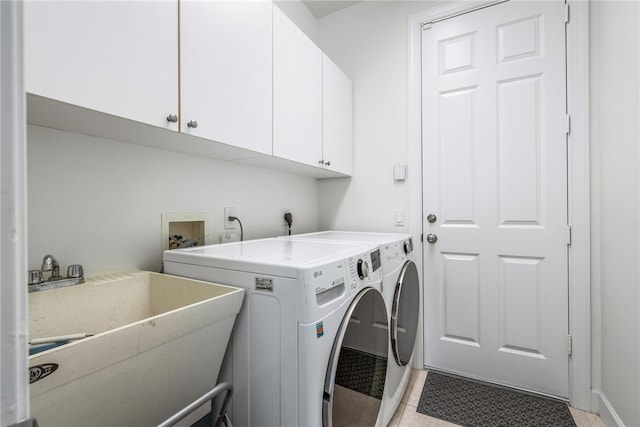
231 80
297 93
226 72
114 57
312 102
337 118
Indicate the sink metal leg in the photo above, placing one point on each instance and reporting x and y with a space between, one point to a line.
209 396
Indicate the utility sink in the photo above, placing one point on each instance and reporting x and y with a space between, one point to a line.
155 344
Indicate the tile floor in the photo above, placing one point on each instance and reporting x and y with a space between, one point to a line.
407 416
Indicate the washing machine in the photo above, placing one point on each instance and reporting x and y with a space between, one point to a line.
306 330
401 290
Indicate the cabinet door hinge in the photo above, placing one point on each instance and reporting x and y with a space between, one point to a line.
566 13
569 345
567 125
569 235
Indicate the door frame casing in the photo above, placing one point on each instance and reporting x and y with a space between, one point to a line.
578 175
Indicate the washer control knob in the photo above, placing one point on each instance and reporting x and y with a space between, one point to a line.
406 247
363 269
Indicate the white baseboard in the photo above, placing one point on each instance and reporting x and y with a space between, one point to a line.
607 413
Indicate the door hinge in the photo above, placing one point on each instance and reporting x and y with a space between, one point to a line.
569 235
426 25
569 345
566 13
567 124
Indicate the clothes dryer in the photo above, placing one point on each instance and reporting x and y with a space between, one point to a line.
295 343
401 291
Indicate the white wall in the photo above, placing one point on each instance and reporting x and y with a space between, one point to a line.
615 139
369 41
99 202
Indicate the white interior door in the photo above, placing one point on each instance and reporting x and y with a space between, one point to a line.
495 176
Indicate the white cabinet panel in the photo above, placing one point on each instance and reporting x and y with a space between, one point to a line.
114 57
225 71
337 118
297 93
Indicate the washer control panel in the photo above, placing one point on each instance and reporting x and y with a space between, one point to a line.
364 269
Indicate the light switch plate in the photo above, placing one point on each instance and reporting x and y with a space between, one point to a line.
399 172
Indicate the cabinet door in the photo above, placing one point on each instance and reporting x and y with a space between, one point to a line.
297 93
225 71
119 58
337 128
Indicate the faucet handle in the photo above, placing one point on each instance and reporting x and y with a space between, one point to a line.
75 271
35 277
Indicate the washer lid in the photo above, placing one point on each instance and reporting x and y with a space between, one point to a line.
279 257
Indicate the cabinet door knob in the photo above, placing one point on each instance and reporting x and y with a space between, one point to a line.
321 162
192 124
327 163
172 118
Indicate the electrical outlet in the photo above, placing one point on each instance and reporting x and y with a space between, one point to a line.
227 213
282 212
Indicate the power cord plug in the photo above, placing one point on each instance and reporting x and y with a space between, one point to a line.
288 218
235 218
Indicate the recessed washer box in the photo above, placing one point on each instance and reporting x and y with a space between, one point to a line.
189 226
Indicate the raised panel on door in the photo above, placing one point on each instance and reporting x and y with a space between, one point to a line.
297 93
225 72
119 58
337 118
494 146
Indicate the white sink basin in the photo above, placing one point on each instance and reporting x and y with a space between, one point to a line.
157 344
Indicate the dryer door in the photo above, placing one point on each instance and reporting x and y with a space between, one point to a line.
355 378
404 313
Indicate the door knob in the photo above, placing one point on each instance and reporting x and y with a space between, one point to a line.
432 238
431 218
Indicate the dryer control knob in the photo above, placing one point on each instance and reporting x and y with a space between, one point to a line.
406 247
363 269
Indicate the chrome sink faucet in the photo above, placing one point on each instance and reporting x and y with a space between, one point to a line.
48 277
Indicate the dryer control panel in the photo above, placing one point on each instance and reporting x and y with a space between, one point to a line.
395 254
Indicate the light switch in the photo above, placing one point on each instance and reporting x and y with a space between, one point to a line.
398 218
399 172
